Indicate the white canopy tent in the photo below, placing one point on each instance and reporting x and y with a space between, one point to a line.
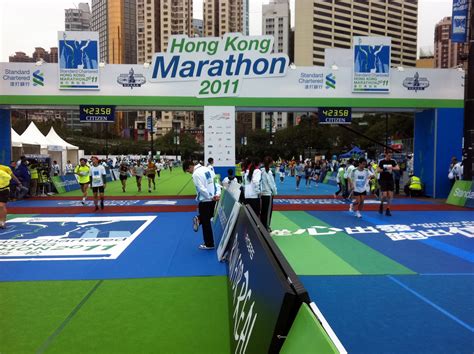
32 135
16 139
72 151
22 147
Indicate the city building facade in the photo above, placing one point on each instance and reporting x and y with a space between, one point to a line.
325 24
116 22
157 21
276 20
224 16
78 19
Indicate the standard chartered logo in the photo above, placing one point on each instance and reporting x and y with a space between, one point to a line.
463 194
38 78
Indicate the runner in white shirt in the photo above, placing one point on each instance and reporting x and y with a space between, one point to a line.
98 182
359 183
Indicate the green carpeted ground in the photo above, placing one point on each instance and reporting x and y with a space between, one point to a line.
164 315
335 254
170 183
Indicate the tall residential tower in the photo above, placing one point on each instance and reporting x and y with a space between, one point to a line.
325 24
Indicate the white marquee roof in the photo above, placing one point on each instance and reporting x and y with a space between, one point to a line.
55 139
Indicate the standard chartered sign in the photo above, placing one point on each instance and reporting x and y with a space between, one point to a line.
219 64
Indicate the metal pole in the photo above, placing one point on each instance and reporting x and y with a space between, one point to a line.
106 141
469 104
386 129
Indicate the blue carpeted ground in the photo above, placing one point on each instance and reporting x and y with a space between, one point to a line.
288 187
398 314
168 247
427 242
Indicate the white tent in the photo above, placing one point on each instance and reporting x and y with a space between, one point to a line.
16 139
57 140
72 151
32 135
22 147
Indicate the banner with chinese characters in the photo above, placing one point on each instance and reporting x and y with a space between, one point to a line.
371 68
78 60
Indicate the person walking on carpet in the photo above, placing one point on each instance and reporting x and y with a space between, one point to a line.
208 193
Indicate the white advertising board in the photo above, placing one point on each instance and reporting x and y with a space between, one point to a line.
219 135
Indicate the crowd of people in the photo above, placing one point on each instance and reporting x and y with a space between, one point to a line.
258 188
356 178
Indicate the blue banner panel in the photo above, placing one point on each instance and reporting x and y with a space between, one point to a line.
5 137
459 21
335 115
97 114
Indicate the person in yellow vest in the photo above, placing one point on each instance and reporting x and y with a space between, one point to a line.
414 187
33 167
238 172
6 175
83 172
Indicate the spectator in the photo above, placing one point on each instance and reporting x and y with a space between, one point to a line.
230 179
56 168
414 187
23 173
33 168
69 169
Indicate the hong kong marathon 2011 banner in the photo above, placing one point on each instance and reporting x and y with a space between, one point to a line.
371 69
78 60
219 64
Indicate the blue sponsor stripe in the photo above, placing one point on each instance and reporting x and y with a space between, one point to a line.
455 251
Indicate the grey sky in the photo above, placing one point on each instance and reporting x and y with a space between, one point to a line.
26 24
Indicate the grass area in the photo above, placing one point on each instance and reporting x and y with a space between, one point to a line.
170 183
31 311
155 315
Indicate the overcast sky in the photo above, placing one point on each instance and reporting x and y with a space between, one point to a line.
26 24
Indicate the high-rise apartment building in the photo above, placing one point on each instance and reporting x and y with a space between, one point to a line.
276 22
198 27
329 23
157 20
446 53
116 22
224 16
78 19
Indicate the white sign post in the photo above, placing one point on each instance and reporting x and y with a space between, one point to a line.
219 135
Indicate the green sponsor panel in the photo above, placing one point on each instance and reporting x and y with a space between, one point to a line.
58 184
306 254
307 335
461 194
31 311
156 315
360 256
